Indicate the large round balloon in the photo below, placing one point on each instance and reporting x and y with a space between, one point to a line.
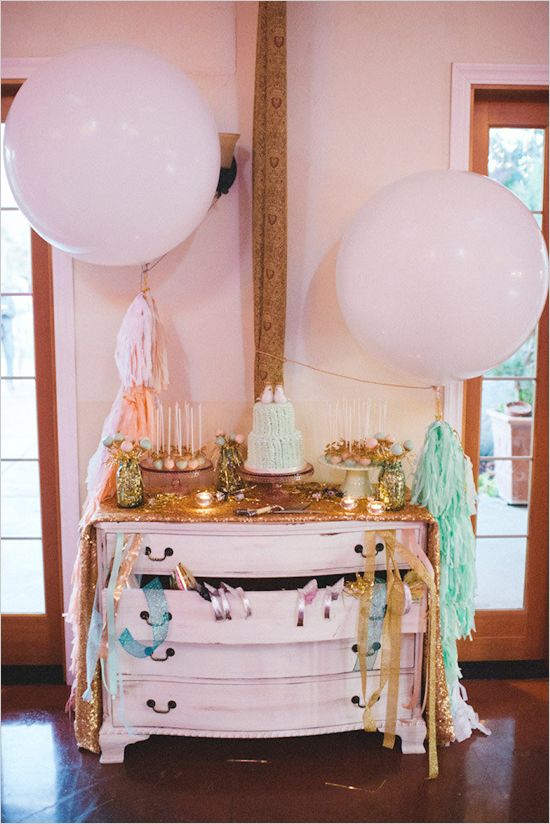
443 274
112 154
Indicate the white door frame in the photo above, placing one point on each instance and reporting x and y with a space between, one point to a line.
65 377
464 77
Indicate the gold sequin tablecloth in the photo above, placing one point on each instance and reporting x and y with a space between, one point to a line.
183 509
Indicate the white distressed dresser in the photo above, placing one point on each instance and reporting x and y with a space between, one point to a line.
261 675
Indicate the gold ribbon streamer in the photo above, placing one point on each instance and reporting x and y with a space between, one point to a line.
391 640
391 658
430 674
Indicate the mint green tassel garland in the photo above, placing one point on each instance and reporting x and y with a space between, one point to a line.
442 485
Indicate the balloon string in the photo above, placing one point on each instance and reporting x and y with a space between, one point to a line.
284 359
145 269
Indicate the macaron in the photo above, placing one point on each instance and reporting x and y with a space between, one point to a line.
118 437
126 446
408 445
145 443
396 449
107 440
168 463
370 443
158 464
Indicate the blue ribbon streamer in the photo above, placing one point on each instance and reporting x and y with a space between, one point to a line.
158 621
376 619
111 680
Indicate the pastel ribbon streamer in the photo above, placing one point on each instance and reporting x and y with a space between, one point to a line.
215 601
158 621
332 594
238 592
110 670
306 596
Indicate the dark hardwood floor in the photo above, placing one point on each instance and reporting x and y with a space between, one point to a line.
337 778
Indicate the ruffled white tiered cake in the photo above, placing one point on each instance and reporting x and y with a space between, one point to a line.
274 445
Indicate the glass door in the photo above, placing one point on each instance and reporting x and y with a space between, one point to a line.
506 413
30 599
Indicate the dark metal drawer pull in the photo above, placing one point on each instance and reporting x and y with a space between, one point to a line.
357 700
144 615
373 650
171 706
169 654
168 552
359 549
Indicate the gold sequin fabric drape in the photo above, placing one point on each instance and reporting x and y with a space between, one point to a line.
88 714
183 509
269 198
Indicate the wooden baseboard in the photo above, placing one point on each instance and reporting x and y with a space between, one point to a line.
507 670
21 674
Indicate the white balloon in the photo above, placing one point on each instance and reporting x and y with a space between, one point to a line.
443 273
112 154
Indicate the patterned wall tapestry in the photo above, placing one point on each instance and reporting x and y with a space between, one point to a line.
270 194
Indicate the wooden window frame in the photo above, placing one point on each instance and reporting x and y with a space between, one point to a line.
465 78
516 626
15 71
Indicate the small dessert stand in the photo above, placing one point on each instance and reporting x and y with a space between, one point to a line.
180 481
276 481
356 482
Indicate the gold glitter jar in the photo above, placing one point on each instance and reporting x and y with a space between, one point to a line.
391 485
129 485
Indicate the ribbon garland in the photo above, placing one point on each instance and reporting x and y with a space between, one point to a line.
158 621
391 639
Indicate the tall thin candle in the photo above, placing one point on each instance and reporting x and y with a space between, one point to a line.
186 425
199 445
192 432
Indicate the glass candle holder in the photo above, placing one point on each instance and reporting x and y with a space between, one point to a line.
348 503
376 507
204 499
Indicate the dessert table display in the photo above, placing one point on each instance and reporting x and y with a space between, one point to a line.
369 646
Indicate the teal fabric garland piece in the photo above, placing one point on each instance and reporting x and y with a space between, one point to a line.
110 676
376 619
441 484
158 621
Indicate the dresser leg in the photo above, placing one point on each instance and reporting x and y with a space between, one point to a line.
112 744
412 734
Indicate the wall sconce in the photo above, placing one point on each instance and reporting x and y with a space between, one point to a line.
228 171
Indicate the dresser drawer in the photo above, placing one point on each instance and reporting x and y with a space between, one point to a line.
255 707
273 619
257 661
286 551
